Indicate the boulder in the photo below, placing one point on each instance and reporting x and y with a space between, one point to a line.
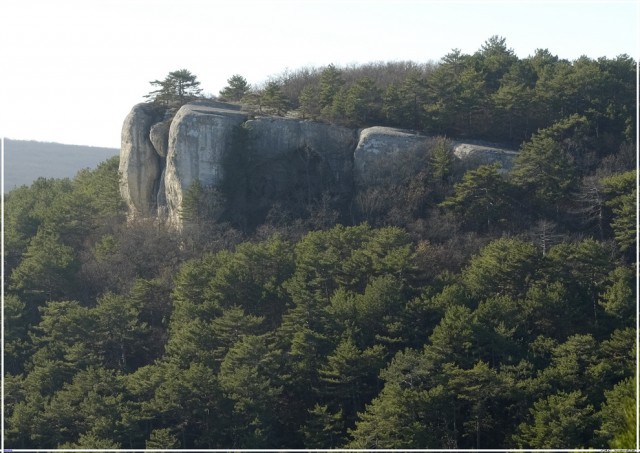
140 165
475 154
159 137
381 149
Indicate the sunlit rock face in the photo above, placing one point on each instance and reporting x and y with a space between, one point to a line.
302 155
159 136
164 152
475 154
199 138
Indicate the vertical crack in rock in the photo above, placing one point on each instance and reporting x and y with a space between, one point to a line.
159 137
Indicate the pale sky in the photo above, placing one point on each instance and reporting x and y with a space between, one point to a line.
72 69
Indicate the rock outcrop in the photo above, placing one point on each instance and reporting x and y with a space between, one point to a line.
481 154
382 146
199 138
159 136
164 152
140 164
319 147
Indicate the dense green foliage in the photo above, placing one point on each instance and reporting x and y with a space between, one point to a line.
177 88
490 94
445 306
236 89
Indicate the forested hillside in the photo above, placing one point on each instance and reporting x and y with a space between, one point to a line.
453 307
491 94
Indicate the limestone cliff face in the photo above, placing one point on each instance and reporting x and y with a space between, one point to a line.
199 138
163 152
140 164
325 147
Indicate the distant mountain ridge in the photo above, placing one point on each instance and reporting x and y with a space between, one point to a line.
25 161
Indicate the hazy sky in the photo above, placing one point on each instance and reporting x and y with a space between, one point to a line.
72 69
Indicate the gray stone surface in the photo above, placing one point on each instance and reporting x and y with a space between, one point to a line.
199 137
481 154
383 144
140 165
272 138
159 137
161 156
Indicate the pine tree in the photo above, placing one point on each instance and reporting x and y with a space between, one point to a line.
273 98
162 438
481 199
330 84
236 89
623 192
177 88
442 160
562 420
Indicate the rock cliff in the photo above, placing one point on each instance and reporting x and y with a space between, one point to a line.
199 138
217 144
140 164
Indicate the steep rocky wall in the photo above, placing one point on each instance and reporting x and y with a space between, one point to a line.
163 152
140 164
475 154
273 138
199 138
